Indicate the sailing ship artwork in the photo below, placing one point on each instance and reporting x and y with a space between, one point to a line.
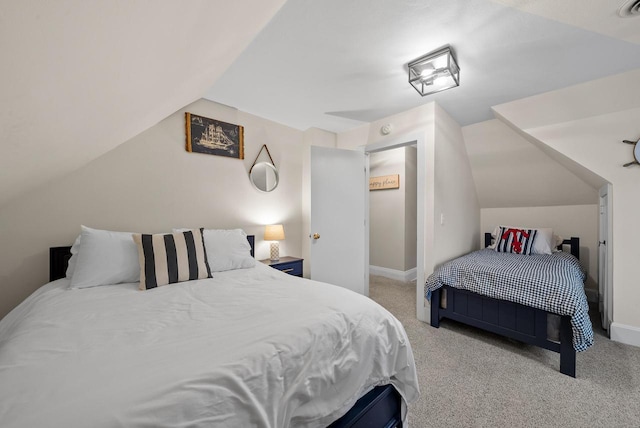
214 137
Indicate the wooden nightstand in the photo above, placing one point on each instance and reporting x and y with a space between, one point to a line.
290 265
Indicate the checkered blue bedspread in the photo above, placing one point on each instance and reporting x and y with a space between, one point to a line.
551 282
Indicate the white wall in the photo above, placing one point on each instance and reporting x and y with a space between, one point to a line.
591 143
583 126
407 127
455 201
448 188
447 183
151 184
566 221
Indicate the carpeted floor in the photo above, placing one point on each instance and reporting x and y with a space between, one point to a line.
470 378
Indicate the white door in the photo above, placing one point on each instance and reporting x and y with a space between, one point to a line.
338 238
604 285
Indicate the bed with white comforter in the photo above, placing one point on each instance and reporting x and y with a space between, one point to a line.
248 347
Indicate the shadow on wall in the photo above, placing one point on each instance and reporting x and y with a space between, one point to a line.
18 291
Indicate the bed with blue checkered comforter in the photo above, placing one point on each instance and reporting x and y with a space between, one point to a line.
551 282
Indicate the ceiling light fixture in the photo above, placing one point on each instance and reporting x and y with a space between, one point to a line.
434 72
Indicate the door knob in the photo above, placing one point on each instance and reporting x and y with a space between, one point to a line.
316 236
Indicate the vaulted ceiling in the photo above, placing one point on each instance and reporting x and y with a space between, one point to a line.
79 78
336 64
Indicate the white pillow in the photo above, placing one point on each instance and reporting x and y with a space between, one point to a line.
542 244
71 265
227 249
105 258
494 241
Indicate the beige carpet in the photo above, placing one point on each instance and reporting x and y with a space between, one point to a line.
470 378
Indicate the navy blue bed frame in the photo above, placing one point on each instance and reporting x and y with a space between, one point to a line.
513 320
379 408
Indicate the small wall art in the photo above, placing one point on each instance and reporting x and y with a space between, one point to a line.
384 182
214 137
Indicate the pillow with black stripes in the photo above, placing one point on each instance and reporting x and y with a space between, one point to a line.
514 240
227 249
170 258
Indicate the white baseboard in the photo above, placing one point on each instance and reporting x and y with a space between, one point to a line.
625 334
398 275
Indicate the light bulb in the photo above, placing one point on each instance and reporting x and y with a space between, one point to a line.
426 73
440 80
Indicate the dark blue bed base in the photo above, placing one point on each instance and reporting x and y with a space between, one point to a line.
379 408
513 320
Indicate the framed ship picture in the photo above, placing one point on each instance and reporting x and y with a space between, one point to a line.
214 137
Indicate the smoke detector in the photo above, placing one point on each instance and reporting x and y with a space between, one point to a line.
630 9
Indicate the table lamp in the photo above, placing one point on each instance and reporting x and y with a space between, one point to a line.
274 233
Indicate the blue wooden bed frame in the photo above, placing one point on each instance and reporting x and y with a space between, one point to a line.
379 408
513 320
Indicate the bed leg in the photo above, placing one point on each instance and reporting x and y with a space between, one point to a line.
567 353
435 308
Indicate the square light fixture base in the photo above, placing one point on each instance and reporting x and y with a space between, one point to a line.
434 72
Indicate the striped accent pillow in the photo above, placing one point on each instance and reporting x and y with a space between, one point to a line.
513 240
170 258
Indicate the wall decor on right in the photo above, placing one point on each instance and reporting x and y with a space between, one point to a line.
636 152
384 182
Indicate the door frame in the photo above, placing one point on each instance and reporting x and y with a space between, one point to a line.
606 192
417 139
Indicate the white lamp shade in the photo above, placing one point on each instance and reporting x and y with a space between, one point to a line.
274 232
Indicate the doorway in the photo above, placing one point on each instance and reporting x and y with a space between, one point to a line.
416 140
424 212
393 213
605 297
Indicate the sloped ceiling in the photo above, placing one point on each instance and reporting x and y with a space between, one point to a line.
554 114
336 64
509 171
80 77
600 16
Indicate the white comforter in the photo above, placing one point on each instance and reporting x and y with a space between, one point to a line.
251 347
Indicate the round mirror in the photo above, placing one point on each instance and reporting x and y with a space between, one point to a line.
264 176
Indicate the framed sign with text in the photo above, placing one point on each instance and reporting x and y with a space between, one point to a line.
384 182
